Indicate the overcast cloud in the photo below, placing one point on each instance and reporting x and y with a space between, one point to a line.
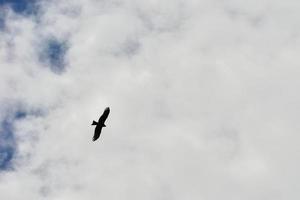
203 96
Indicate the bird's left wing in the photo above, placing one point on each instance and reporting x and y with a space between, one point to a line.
97 132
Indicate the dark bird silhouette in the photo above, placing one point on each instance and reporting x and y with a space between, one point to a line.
100 124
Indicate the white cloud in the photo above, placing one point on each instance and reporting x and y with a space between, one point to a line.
203 99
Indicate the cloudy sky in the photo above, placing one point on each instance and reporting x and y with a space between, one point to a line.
203 96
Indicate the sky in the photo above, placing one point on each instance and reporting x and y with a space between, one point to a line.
203 96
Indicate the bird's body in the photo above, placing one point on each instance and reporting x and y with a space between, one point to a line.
100 123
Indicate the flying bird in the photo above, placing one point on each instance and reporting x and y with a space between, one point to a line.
100 124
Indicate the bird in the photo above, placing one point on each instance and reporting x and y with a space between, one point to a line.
100 124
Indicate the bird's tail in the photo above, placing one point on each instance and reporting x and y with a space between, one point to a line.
94 123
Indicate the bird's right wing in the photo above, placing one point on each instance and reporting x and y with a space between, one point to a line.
104 115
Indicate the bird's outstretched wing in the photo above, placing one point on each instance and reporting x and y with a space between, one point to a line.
100 123
104 116
97 132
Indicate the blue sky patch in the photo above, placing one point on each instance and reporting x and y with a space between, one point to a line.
7 144
2 20
20 114
20 6
53 54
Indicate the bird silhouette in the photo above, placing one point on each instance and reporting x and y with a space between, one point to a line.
100 124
